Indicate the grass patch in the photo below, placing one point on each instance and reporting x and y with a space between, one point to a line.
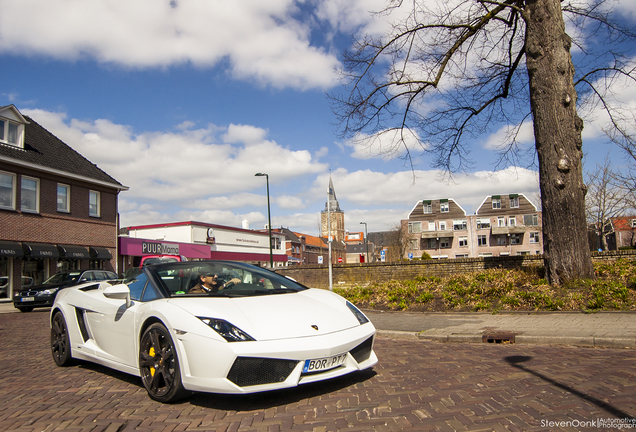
497 290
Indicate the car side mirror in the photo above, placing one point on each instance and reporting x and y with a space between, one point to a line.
119 292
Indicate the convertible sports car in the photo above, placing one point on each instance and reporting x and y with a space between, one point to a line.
253 331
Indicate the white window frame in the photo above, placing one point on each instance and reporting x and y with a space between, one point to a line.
4 136
482 240
485 254
534 237
67 209
496 203
12 198
514 202
512 221
483 223
415 227
461 256
463 241
459 225
431 226
633 223
37 195
445 243
533 222
444 207
99 203
442 225
427 208
501 222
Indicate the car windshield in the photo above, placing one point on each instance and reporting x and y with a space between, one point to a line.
159 260
63 277
233 279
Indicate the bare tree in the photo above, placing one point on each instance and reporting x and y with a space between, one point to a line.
604 201
448 71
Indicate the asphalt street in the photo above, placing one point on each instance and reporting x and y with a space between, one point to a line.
419 384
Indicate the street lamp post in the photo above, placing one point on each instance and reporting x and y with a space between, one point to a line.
366 245
269 220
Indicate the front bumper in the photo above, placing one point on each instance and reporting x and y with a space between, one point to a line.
248 367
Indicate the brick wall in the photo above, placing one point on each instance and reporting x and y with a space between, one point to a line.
349 275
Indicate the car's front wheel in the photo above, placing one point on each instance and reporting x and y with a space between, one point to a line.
60 346
159 365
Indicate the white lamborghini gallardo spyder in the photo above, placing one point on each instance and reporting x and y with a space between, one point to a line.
211 326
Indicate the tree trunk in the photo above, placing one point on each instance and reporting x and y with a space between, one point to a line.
557 131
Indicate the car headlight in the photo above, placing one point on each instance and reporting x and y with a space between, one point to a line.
230 332
48 291
362 319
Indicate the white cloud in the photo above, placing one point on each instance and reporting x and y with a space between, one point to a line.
523 136
260 40
386 145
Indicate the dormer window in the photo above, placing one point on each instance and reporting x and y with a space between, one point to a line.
12 126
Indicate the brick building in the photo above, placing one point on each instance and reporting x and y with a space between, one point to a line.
58 211
502 225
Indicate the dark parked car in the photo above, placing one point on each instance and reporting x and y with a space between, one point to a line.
44 295
27 282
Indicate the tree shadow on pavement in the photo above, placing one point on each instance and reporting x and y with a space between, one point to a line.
515 361
270 399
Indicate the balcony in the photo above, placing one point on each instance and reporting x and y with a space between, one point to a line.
508 230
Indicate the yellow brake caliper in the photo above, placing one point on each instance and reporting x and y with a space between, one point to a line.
151 353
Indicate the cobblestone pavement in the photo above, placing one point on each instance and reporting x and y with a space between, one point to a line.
417 386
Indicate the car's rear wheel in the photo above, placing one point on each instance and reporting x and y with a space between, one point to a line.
159 365
25 308
60 346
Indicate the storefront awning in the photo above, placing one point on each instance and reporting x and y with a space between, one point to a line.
40 250
99 253
73 252
11 249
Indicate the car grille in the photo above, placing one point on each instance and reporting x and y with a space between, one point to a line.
363 351
249 371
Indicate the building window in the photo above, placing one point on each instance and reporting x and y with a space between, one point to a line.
501 240
94 206
531 220
461 256
427 207
10 133
482 240
534 237
29 194
512 221
63 198
442 225
415 227
7 191
432 244
445 242
515 239
485 254
496 203
443 207
414 244
633 223
523 253
431 226
463 241
514 202
459 225
501 222
483 223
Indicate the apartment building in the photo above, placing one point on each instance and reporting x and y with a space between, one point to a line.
502 225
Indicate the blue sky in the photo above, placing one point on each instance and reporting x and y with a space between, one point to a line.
183 101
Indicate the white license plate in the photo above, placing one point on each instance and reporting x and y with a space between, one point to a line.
323 364
27 299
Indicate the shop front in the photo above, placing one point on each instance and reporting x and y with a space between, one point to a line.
32 263
133 250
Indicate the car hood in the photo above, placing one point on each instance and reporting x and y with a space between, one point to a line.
48 286
306 313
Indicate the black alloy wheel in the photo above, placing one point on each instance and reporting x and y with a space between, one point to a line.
60 344
159 365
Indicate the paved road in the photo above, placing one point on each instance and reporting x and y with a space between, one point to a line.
418 385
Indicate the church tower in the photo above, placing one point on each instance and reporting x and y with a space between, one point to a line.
332 208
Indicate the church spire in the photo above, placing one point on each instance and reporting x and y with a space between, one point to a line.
332 201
